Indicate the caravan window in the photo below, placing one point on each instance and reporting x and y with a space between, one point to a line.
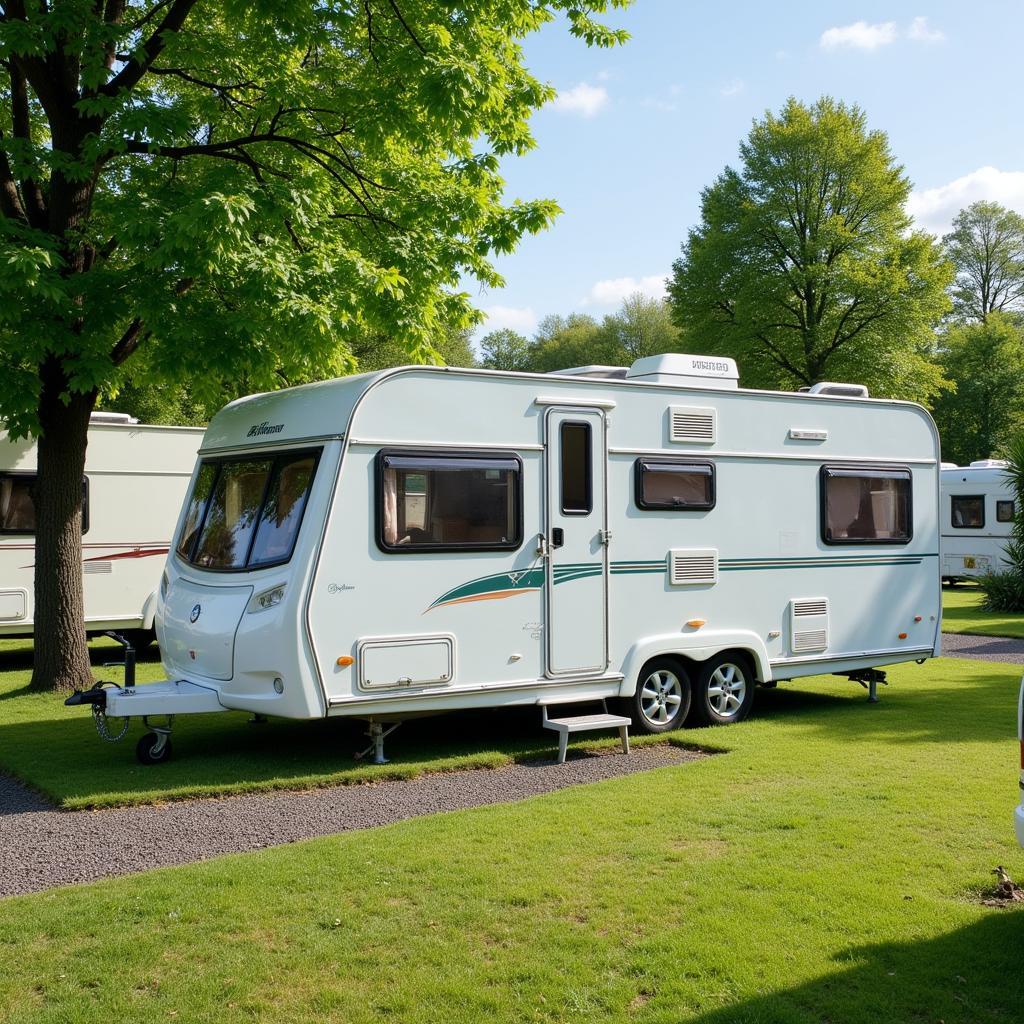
448 501
245 513
865 505
1004 512
576 486
679 485
17 504
967 511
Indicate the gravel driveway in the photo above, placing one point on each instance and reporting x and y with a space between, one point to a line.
983 648
41 848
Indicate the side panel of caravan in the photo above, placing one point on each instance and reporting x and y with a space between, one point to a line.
977 512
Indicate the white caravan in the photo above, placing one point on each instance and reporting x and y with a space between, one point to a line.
135 482
425 539
977 513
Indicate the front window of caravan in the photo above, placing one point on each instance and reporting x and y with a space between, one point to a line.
448 502
245 513
866 506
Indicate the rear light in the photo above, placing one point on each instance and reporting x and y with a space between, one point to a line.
267 599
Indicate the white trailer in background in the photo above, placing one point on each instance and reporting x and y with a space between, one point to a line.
424 539
134 484
977 513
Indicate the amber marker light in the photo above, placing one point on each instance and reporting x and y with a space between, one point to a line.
917 618
696 623
345 660
903 636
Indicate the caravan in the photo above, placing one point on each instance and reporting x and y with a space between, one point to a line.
423 539
134 483
977 510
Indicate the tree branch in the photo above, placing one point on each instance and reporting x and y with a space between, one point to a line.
34 202
130 75
405 25
129 341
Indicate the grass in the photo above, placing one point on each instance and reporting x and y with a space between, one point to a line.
57 751
826 868
962 613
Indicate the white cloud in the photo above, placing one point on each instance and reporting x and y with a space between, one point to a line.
523 320
612 291
859 36
583 99
733 88
934 208
921 32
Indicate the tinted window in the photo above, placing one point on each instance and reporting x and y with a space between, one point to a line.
866 506
967 511
430 502
577 498
675 485
282 510
17 504
246 513
1004 511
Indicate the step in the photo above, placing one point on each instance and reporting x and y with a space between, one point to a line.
585 723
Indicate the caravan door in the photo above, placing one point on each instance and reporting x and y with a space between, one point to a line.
576 581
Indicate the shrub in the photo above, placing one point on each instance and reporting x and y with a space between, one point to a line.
1004 591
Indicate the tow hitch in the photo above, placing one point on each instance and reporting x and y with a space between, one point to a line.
97 695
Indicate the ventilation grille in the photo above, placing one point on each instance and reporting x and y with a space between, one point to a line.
808 624
691 424
810 640
813 606
91 568
690 566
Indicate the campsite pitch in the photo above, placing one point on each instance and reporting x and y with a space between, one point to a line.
830 866
962 613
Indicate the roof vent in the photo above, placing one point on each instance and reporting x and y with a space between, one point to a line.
989 464
685 371
111 417
838 390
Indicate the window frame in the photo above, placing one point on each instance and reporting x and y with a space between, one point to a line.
445 453
639 468
970 497
866 467
588 468
274 456
1013 509
34 474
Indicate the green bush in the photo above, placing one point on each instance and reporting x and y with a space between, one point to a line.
1002 591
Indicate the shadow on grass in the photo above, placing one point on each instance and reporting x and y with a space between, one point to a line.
970 974
16 655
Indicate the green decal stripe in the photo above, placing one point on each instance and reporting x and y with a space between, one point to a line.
529 579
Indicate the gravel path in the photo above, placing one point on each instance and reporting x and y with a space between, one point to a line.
983 648
41 848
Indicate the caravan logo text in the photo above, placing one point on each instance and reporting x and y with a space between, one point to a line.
265 428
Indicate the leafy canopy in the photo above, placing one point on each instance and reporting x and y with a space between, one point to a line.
240 188
804 266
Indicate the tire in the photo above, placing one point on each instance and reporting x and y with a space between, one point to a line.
724 691
662 699
145 752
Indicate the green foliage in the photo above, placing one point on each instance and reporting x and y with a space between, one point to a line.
986 246
804 267
984 361
505 350
1004 591
243 190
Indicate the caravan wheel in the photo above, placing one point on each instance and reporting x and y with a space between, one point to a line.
725 690
662 698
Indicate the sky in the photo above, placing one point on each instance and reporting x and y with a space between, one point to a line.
637 131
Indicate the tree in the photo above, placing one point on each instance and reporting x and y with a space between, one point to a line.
986 246
985 361
804 267
505 349
643 327
562 342
239 189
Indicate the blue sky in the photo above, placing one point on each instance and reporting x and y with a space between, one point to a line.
638 131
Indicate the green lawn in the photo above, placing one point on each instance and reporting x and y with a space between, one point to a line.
57 750
962 613
825 869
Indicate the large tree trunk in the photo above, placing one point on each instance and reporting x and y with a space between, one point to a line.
61 655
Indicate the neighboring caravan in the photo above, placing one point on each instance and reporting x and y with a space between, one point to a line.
424 539
134 484
977 512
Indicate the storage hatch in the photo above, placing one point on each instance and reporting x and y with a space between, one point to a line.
199 626
403 663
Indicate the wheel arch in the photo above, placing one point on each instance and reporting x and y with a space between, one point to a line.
693 648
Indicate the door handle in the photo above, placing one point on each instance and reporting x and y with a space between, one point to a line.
557 537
